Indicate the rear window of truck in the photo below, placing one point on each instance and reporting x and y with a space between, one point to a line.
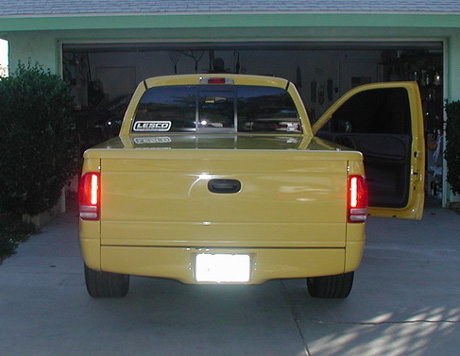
216 108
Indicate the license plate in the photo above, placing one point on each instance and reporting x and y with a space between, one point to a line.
222 268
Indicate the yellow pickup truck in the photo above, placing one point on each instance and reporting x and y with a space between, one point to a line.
220 178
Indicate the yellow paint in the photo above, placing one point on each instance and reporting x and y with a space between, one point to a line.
178 263
290 215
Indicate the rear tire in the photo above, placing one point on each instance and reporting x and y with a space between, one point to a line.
337 286
105 284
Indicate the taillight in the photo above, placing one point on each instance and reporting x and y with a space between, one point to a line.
89 196
357 199
216 80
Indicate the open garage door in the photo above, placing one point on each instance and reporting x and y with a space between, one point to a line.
104 75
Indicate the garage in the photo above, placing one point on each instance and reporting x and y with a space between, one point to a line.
325 48
104 75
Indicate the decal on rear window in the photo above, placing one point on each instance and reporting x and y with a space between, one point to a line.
152 126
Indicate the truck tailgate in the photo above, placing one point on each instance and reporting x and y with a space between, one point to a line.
161 198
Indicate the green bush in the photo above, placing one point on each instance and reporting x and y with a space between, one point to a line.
452 152
37 142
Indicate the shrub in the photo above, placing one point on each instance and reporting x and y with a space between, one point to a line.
452 152
37 142
11 234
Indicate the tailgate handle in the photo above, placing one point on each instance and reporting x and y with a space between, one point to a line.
224 186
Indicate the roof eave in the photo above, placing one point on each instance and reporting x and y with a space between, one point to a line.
229 20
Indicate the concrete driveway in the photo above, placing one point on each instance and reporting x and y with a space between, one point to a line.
405 301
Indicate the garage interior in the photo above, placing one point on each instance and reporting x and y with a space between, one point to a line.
104 75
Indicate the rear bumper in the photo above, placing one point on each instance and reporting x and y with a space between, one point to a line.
178 262
266 263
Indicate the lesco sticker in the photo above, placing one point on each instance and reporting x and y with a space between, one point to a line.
156 126
151 140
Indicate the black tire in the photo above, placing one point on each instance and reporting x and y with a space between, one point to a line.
105 284
337 286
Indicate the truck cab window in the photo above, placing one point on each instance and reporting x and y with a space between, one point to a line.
175 105
217 108
266 109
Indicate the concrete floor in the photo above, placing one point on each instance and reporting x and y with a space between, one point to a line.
405 301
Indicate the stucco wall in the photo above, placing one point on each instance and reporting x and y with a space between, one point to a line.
34 46
453 75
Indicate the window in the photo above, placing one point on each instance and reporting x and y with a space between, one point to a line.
383 111
216 108
265 109
176 105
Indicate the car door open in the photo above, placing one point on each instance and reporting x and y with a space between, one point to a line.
384 121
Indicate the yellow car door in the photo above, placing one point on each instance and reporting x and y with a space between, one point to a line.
384 121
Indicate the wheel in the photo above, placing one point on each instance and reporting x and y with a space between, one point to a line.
105 284
337 286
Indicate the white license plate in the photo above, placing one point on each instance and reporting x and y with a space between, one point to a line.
222 268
